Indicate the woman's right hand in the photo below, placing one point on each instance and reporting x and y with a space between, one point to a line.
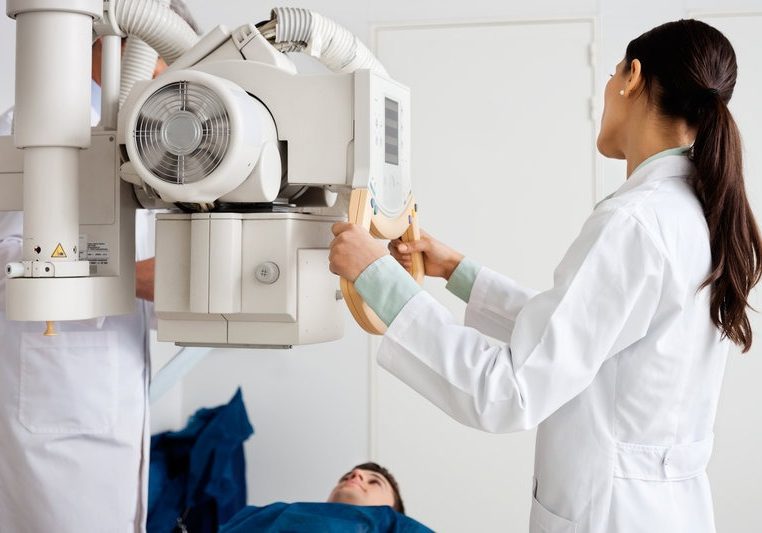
439 260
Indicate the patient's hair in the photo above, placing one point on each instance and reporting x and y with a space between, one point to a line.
398 506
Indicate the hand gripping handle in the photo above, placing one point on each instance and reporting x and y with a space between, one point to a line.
405 227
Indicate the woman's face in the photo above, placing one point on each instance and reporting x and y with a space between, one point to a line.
611 135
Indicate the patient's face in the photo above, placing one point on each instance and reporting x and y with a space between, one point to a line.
363 487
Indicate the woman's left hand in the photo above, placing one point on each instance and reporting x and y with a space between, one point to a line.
353 250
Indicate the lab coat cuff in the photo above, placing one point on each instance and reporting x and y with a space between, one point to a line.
393 339
462 279
386 287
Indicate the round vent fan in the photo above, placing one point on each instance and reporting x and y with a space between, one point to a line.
182 132
194 137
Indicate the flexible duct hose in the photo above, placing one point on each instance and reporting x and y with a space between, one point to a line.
138 63
156 24
336 47
159 28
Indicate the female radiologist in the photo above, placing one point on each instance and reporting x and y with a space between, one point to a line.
620 363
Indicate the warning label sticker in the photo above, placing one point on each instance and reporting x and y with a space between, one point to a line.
82 247
98 253
59 251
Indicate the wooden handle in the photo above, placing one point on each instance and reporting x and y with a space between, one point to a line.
413 233
404 227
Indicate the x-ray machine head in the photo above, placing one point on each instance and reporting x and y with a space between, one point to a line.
244 155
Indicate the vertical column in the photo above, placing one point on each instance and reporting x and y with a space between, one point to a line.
52 118
111 65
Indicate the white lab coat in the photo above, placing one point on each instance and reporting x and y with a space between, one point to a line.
619 364
73 413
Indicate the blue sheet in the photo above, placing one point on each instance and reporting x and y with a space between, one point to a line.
198 474
323 518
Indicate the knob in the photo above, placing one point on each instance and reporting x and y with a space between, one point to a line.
267 272
14 270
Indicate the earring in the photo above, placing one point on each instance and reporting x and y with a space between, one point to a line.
621 93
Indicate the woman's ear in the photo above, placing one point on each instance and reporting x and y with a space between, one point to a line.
635 78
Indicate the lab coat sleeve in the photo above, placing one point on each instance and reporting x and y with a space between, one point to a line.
494 304
462 279
386 287
6 122
605 294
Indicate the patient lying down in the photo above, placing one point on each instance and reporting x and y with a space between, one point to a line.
367 498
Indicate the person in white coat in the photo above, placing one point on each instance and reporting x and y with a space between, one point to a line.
620 363
74 408
74 433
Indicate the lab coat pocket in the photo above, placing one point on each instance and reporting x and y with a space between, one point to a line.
543 521
68 382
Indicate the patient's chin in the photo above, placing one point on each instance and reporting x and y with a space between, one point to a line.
345 495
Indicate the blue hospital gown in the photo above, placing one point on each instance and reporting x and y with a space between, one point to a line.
322 517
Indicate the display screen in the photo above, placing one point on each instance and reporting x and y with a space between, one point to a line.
392 133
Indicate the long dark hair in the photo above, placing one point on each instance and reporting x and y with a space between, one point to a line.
689 71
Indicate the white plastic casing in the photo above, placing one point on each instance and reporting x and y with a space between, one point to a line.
389 184
91 8
251 130
211 289
52 125
106 240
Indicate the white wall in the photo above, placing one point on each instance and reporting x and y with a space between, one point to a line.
318 410
484 164
309 407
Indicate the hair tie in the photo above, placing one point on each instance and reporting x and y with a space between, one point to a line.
707 97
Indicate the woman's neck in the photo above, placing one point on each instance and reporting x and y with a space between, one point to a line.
652 136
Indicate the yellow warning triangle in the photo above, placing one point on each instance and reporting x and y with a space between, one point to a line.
59 251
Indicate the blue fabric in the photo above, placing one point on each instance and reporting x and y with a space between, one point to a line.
198 474
322 517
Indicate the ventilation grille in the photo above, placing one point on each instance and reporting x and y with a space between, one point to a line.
182 132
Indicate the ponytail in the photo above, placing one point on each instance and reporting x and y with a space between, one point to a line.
734 237
690 72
